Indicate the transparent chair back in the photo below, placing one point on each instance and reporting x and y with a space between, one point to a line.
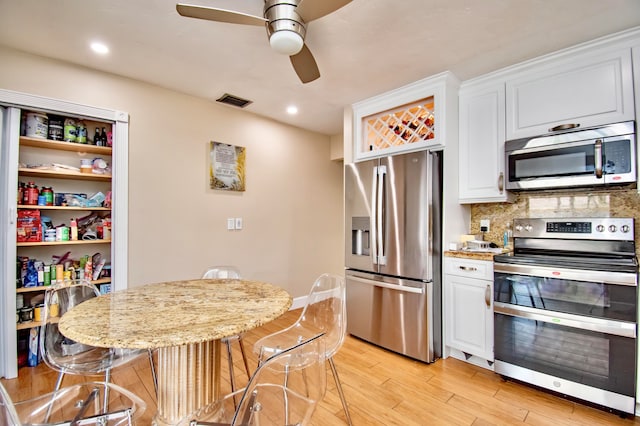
68 356
273 396
83 403
325 312
228 272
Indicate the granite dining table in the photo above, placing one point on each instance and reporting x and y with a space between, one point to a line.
184 321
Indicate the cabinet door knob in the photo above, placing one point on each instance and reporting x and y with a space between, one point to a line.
501 182
487 296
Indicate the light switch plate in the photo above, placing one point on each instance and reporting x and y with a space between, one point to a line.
485 225
238 223
231 224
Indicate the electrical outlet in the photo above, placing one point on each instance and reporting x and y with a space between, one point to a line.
231 224
238 223
485 225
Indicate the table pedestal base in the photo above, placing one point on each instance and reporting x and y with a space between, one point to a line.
188 379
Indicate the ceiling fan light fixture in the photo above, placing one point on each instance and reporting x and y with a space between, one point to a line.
286 42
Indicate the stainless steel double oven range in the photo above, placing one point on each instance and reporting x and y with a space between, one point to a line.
565 309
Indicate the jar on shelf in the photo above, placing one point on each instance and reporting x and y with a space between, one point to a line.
56 128
81 136
47 191
70 130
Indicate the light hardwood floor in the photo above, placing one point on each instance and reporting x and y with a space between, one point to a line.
382 388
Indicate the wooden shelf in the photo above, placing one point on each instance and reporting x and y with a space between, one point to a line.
70 174
44 287
65 146
36 207
32 324
61 243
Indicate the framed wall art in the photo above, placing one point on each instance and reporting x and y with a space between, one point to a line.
226 169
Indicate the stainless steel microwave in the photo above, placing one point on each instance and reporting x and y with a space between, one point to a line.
575 157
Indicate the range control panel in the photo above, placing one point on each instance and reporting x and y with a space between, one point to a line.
575 228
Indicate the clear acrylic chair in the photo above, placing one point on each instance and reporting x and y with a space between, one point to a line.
324 312
67 356
229 272
8 414
80 404
275 396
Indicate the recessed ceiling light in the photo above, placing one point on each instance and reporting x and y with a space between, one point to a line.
292 110
100 48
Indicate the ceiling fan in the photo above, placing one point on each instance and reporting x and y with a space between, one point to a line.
285 21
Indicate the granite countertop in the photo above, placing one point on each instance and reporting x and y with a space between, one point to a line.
174 313
476 255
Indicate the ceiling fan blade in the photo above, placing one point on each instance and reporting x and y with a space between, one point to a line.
305 65
314 9
221 15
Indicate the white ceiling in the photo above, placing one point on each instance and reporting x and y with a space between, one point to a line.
363 49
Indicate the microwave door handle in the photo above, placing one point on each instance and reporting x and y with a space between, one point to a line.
374 216
597 154
382 172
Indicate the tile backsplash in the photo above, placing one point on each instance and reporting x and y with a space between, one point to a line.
613 202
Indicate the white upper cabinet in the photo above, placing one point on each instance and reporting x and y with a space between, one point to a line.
586 89
482 137
413 117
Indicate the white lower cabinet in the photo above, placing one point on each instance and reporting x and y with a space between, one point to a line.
468 310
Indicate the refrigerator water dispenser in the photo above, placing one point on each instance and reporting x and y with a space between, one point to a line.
360 236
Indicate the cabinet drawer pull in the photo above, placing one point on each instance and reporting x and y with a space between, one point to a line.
468 268
487 296
564 127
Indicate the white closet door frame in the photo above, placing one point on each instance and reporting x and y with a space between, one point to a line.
9 148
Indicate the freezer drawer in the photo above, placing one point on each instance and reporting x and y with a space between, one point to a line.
397 314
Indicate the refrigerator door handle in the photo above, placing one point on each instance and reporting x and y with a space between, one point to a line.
416 290
382 258
374 215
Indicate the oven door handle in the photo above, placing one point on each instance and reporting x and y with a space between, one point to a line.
606 277
598 325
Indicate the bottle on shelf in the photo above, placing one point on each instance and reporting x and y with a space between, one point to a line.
31 194
103 137
74 229
96 137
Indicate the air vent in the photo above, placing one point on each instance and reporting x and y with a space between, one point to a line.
233 100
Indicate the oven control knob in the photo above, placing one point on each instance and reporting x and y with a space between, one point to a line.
612 228
600 228
625 228
528 228
519 228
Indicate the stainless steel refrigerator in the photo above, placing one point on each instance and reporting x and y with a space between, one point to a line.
393 250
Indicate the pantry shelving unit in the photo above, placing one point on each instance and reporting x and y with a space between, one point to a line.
56 164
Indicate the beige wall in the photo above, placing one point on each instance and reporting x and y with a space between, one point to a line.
292 208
